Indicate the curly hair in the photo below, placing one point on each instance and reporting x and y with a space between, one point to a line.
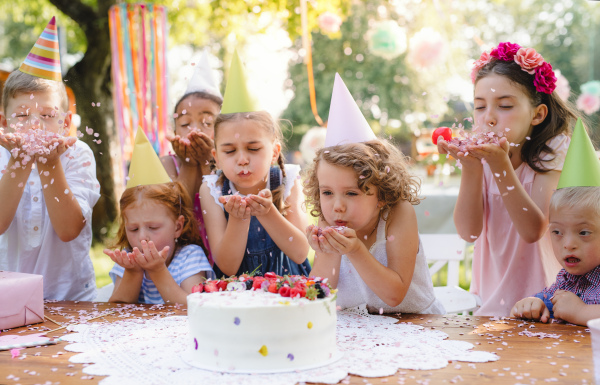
561 115
264 120
174 197
376 163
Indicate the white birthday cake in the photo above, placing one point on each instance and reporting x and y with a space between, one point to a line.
257 325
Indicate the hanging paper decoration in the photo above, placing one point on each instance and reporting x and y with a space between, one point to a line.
589 100
563 89
426 48
387 39
138 37
329 22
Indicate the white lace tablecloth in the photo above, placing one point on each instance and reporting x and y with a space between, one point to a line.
146 352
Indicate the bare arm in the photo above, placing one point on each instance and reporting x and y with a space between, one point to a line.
12 185
227 239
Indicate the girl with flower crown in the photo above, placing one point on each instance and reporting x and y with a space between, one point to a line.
506 186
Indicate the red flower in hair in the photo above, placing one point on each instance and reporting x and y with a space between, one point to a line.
505 51
545 80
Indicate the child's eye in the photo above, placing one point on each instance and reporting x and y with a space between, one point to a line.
184 124
480 108
506 107
351 193
555 232
326 193
229 151
585 232
254 149
132 230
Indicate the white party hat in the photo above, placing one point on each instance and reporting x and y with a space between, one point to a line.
346 123
203 79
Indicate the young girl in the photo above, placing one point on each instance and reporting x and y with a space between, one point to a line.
253 211
156 259
366 241
194 118
505 190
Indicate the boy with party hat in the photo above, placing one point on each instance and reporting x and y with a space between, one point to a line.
575 232
156 252
366 242
48 186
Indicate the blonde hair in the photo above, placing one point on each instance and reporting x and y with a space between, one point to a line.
266 122
174 197
21 83
377 163
580 196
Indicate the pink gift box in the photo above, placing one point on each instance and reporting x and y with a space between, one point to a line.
22 299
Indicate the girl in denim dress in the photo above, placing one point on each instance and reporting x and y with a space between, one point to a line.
252 210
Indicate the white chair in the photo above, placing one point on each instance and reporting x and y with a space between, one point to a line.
103 293
449 249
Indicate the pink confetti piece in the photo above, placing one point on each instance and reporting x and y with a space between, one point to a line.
391 238
291 239
15 352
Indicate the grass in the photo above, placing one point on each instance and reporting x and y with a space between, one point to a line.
102 264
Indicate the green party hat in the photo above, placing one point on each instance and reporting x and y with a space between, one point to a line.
237 97
582 167
146 167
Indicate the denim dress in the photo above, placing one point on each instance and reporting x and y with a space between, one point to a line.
261 250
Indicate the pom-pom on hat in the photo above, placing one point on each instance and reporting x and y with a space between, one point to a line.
203 79
346 123
145 168
237 96
43 61
581 167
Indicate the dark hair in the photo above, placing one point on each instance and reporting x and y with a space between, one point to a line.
174 197
201 95
264 120
377 163
561 115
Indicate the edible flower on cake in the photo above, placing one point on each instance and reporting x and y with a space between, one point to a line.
292 286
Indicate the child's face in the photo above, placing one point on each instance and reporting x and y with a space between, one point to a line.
575 233
196 113
343 203
37 110
501 104
245 152
149 220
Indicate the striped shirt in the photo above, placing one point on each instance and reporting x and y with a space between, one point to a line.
187 261
586 287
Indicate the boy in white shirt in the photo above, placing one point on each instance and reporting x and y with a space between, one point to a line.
48 185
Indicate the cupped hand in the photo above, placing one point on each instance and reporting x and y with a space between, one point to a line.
344 241
200 147
149 258
236 206
494 154
466 159
260 204
124 259
55 148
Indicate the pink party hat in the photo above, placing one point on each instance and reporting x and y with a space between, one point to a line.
43 60
346 123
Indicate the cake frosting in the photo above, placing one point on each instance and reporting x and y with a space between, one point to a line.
255 330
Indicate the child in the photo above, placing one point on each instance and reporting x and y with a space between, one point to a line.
505 190
156 259
252 211
48 186
575 233
194 118
361 188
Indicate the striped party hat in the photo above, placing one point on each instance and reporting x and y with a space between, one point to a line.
43 60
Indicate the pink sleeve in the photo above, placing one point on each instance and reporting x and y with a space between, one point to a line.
560 145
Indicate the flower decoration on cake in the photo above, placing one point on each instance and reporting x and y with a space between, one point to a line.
528 59
288 286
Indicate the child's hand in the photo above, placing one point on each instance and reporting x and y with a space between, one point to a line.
200 147
318 241
566 305
260 204
123 259
344 241
466 159
56 148
531 308
236 206
494 154
150 259
13 144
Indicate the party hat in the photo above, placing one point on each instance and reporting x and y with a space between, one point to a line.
145 168
581 167
203 79
237 97
346 123
43 61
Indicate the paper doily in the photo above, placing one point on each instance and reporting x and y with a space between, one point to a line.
148 352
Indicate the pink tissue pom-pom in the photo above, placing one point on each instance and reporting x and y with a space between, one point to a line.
563 89
588 103
427 47
329 22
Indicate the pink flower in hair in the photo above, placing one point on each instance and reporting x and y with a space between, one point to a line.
544 80
484 59
528 59
505 51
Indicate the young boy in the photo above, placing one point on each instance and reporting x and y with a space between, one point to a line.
575 233
48 185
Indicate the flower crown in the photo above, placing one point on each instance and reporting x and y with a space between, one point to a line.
529 60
